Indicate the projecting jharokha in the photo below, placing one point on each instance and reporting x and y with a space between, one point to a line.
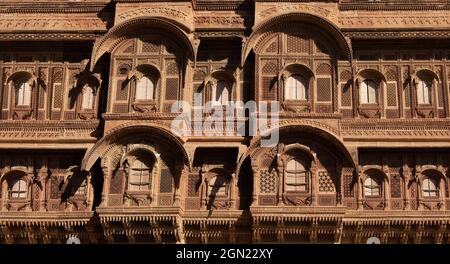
224 121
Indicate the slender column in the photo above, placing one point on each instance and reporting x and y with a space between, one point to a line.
106 182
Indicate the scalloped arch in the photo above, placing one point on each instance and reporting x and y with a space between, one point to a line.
264 28
102 146
122 31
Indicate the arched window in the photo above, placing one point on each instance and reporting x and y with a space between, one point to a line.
222 93
430 188
88 97
140 175
424 92
296 176
296 88
23 94
368 92
217 186
18 189
372 187
145 89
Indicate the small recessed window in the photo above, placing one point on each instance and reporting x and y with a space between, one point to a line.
429 188
296 88
368 92
18 189
81 189
23 94
222 93
88 98
424 92
372 187
296 175
217 186
139 179
145 89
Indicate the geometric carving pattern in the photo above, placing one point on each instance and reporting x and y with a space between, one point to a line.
267 181
115 201
391 75
116 182
348 190
395 186
297 44
323 68
172 67
269 88
323 89
151 46
327 200
122 91
326 184
407 96
56 183
57 88
391 94
273 47
346 95
172 88
270 67
192 185
440 97
345 76
199 75
166 181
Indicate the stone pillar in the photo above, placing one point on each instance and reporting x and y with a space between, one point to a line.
419 190
387 186
106 181
255 170
360 189
280 180
313 181
89 192
407 177
233 182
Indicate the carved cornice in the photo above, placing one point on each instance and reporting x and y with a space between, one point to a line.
48 36
220 34
395 128
15 130
221 5
398 20
398 34
141 116
175 13
45 218
219 21
394 5
42 7
53 23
